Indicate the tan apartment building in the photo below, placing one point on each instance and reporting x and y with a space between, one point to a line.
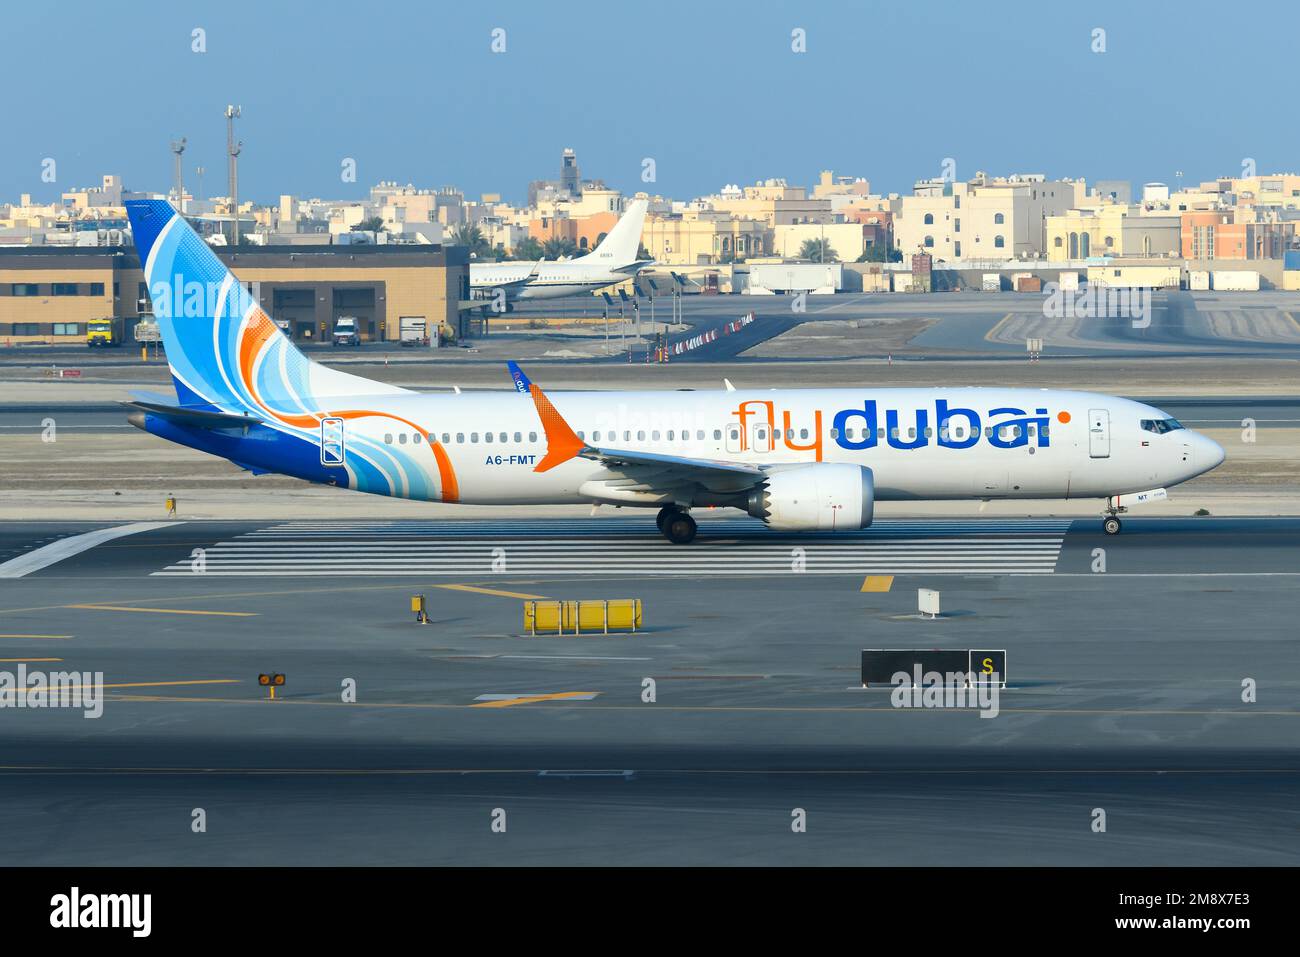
980 219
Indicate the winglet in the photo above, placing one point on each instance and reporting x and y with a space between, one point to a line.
562 443
522 383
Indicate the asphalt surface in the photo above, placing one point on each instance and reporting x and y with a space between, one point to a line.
962 326
1125 694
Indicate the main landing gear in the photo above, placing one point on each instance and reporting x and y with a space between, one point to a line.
676 526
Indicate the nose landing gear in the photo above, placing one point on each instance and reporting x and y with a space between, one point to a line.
1111 523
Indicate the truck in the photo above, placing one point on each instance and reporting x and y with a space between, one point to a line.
104 332
412 331
346 332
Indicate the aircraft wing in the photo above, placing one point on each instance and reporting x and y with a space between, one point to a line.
631 470
654 471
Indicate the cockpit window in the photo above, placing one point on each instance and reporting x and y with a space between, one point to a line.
1161 426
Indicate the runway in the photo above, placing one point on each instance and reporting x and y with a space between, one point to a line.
1126 693
621 547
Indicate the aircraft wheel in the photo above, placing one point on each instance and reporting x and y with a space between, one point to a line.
679 529
1111 525
665 513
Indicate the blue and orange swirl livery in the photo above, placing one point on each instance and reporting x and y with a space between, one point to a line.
227 356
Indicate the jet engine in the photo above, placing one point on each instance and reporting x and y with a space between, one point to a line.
825 497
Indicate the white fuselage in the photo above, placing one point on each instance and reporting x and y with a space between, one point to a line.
1093 445
544 280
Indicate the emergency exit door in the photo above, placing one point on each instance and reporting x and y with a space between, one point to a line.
332 451
1099 433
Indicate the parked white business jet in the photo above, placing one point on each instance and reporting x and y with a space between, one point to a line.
613 260
801 459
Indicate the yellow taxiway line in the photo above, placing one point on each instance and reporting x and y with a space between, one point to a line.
492 591
167 611
531 699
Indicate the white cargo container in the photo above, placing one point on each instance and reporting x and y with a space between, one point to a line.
1235 280
767 279
1198 280
902 281
992 282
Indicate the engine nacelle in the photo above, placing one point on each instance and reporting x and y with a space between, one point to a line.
823 497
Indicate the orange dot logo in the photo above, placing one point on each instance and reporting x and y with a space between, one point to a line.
1063 417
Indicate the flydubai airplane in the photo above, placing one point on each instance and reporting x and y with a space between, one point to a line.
613 260
799 459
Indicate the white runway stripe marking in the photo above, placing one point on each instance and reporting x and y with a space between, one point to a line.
630 547
64 548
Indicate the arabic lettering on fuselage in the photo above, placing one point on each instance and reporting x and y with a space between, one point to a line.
856 429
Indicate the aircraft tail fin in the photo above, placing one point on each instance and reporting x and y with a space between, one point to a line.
620 245
225 353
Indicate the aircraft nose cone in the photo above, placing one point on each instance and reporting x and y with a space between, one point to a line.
1209 453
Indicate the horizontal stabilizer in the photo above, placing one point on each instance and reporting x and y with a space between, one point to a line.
193 418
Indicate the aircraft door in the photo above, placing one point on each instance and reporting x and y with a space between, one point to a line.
331 441
735 438
1099 433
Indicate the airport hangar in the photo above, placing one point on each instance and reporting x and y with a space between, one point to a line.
49 294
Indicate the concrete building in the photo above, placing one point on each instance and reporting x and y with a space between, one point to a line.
773 202
1235 234
1111 230
984 218
49 294
848 241
704 237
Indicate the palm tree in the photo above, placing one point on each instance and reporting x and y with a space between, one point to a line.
471 236
375 224
558 247
818 251
529 249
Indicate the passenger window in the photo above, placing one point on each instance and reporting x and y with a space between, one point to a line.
717 434
803 433
460 437
503 437
835 433
928 432
583 436
487 436
532 436
446 438
473 438
640 436
699 434
627 435
670 435
655 435
388 438
416 438
519 437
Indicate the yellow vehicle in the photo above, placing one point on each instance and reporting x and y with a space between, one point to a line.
103 332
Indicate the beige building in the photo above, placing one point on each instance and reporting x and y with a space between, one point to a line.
773 202
981 219
1112 230
704 237
847 241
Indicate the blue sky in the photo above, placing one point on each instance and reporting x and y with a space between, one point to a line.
711 91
